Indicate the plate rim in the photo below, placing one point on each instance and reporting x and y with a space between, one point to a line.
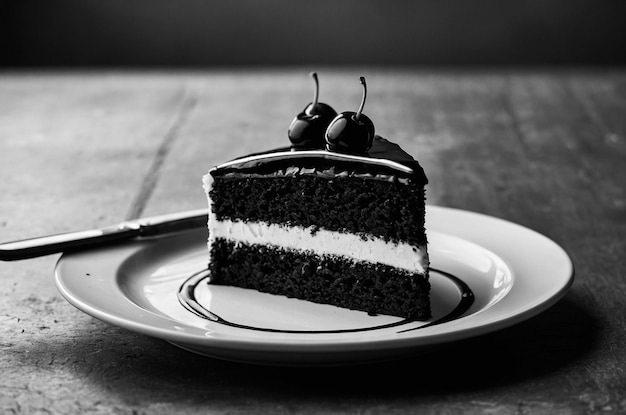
422 339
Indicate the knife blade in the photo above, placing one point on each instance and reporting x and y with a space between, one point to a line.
70 241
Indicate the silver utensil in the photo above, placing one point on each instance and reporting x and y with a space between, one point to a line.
70 241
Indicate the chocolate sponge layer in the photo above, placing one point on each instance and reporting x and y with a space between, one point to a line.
374 288
392 211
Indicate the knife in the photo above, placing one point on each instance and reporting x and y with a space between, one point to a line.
65 242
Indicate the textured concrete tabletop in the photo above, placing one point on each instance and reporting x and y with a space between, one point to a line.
80 150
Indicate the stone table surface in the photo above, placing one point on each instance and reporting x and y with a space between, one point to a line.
542 148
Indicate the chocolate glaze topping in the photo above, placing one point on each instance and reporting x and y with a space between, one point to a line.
385 161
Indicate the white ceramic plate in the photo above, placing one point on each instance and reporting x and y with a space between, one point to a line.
513 272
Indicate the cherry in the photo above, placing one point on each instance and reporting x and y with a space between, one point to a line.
306 131
351 132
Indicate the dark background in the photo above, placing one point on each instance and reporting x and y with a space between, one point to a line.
202 33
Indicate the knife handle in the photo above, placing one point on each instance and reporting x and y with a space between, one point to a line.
63 242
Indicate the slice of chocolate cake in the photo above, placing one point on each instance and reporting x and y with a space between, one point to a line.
342 225
326 227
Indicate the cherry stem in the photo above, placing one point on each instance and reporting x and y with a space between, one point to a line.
360 110
316 93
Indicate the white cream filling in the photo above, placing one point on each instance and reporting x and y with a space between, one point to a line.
321 242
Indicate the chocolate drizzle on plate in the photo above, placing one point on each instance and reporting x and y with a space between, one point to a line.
186 296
